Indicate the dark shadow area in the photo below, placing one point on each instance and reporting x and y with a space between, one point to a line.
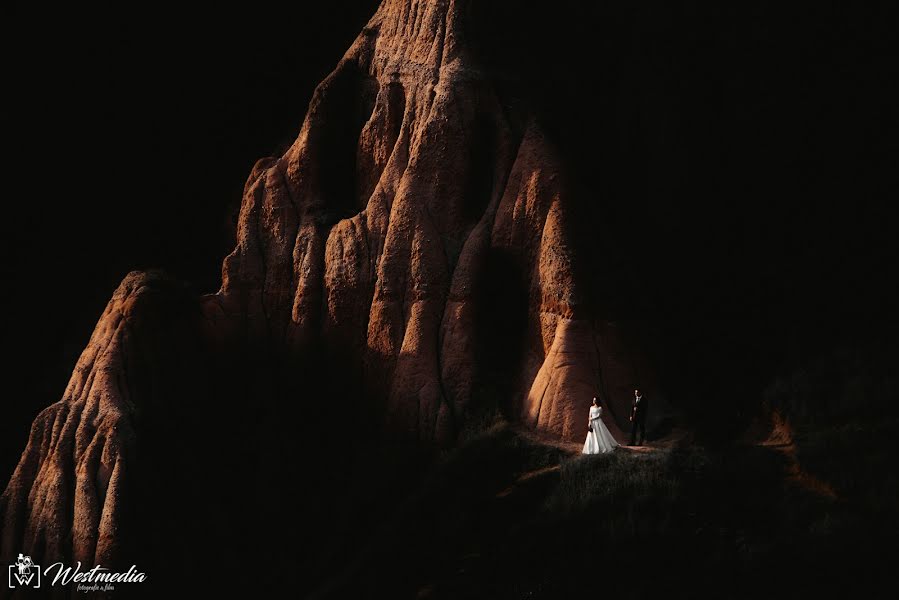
133 132
238 450
501 325
482 148
731 170
346 105
509 518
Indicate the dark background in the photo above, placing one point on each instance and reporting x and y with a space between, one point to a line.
736 166
131 133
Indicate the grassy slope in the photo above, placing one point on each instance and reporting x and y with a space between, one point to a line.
509 516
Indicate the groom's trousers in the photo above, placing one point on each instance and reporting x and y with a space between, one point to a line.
641 425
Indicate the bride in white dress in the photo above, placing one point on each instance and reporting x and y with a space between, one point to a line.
599 440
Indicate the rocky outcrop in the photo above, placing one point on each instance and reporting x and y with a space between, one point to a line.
68 495
373 230
370 240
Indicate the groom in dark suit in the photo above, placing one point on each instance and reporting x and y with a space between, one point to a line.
639 409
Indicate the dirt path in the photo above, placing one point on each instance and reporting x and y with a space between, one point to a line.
574 448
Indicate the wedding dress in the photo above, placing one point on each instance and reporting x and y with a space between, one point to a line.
599 441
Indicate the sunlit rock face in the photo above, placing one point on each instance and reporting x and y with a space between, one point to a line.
375 230
412 213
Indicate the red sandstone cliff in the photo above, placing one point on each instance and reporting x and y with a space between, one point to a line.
370 238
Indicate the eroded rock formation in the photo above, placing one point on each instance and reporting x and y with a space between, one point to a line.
69 495
372 240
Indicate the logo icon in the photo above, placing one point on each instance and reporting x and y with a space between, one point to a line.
24 573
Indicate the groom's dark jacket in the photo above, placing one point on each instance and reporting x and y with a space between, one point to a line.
639 409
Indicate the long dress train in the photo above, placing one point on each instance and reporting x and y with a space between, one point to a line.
600 440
